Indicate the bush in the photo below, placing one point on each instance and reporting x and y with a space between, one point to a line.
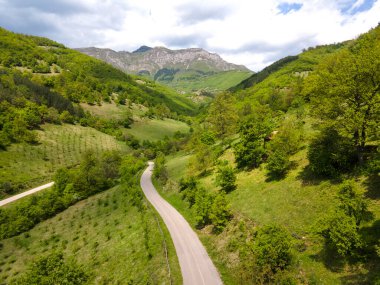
342 234
202 207
353 203
220 213
53 269
272 250
160 172
188 187
226 179
331 154
278 163
249 154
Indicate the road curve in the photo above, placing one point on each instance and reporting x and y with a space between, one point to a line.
196 266
26 193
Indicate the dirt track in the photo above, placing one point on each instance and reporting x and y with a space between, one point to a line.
196 266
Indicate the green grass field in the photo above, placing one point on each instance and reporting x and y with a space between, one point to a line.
114 241
295 202
153 130
217 82
113 111
25 165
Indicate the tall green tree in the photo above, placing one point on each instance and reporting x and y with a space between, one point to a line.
222 115
250 150
345 91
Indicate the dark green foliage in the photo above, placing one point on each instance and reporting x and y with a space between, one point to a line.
209 208
283 143
207 138
342 235
53 269
188 188
129 167
226 179
330 154
249 152
202 207
341 230
353 202
272 250
160 172
345 94
222 115
220 213
278 163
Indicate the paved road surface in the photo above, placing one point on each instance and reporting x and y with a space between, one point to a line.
196 266
26 193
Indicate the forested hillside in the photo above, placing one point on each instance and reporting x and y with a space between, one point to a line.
44 84
78 77
281 177
70 118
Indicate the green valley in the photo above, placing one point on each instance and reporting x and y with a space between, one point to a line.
277 172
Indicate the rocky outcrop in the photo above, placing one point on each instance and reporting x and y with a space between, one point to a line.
146 60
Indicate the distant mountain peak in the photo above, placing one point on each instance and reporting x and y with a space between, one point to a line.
183 67
142 49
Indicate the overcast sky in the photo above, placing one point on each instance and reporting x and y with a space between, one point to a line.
250 32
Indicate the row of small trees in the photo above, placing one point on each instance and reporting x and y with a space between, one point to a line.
95 174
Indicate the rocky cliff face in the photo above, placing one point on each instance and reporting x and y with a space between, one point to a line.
149 61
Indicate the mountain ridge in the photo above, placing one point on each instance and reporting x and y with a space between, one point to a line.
168 66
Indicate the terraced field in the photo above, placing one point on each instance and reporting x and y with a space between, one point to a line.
24 165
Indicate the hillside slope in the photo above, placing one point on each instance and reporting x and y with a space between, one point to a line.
288 166
184 69
81 78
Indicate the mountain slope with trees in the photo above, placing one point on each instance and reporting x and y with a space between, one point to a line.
294 152
43 83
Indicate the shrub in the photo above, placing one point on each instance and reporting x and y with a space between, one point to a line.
220 213
278 163
160 170
353 203
202 207
53 269
342 234
330 154
272 250
226 179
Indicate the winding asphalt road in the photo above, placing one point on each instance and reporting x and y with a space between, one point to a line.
196 266
26 193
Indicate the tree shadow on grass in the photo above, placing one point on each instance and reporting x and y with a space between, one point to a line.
364 267
372 184
330 259
309 178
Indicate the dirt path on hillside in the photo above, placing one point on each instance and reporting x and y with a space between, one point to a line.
196 266
26 193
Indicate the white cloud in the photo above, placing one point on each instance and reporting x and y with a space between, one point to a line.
254 33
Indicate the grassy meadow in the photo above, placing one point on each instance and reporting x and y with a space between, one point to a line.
296 202
115 241
190 82
153 129
25 165
114 111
